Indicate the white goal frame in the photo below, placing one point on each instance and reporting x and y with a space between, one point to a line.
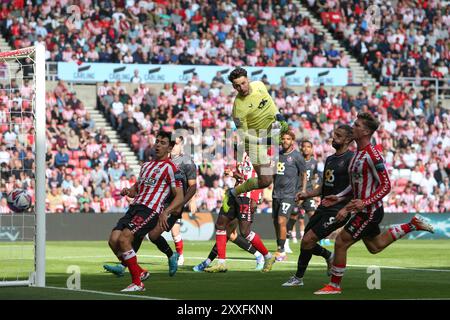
37 276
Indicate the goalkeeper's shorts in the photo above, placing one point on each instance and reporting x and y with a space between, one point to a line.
258 153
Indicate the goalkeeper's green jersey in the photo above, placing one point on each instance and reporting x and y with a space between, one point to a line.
256 110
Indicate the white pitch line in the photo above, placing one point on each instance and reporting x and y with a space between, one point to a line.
247 260
110 293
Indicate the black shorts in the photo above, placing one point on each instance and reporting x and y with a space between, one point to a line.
173 219
365 225
241 209
283 207
308 205
323 222
139 219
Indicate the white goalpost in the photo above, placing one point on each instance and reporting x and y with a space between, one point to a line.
23 117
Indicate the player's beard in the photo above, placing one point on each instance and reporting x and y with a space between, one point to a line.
336 146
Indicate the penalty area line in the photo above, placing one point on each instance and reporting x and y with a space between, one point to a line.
109 293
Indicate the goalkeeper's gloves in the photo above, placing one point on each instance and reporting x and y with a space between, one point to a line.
280 124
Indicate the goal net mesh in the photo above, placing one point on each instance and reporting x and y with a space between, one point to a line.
17 164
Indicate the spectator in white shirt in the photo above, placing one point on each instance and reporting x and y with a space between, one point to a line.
428 183
409 157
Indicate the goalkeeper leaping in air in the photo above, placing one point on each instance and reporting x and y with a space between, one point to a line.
259 123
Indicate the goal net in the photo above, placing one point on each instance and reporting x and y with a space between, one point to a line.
22 165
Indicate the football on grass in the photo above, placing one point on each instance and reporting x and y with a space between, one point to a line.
19 200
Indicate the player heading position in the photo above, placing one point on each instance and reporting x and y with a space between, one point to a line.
156 181
323 222
370 183
258 122
289 174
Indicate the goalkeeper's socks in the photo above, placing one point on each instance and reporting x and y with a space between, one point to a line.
249 185
397 231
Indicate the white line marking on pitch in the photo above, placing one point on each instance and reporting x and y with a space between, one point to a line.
247 260
110 293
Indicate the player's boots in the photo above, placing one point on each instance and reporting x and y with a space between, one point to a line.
220 267
293 281
419 222
201 266
259 262
144 275
118 269
329 289
268 263
173 264
280 256
134 287
227 199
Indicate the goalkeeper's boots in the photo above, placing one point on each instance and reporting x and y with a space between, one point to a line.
228 199
220 267
118 269
134 287
173 264
420 224
200 267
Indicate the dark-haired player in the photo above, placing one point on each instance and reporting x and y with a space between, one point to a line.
187 174
323 222
156 181
259 123
370 183
287 181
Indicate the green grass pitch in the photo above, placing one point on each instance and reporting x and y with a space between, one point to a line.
409 270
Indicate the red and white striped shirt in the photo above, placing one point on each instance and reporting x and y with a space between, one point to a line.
155 182
369 178
245 168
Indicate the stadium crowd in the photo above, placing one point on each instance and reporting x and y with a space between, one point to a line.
393 39
236 33
414 136
86 172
